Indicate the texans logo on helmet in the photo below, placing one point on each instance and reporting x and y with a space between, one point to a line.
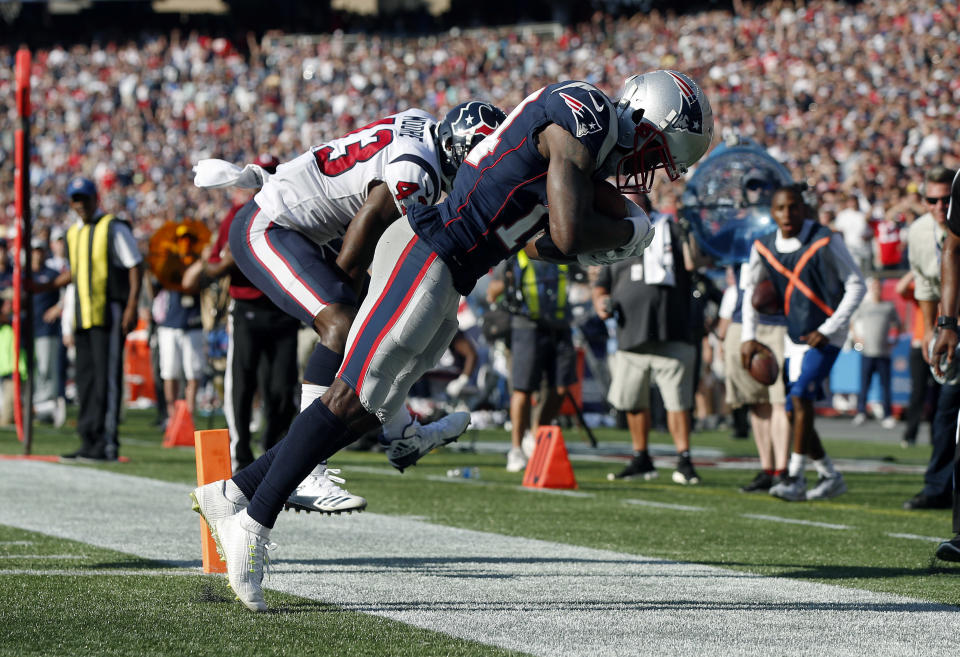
486 114
587 122
691 115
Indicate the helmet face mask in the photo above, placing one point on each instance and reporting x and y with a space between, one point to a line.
636 169
461 129
665 122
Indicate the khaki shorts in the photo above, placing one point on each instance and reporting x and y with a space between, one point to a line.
743 389
668 364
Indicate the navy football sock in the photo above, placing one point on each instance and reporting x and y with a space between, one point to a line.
250 477
314 436
322 367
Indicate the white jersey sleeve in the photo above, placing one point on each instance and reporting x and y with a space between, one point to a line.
319 192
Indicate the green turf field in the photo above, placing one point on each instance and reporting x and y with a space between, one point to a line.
862 540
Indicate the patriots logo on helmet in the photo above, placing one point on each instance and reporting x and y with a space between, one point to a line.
691 114
587 122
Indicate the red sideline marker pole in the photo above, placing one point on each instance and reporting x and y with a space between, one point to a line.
22 331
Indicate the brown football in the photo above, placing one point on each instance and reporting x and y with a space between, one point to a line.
763 366
766 298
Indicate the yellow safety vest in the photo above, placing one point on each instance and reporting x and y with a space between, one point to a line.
531 292
87 248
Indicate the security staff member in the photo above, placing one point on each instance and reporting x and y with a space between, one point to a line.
540 344
106 271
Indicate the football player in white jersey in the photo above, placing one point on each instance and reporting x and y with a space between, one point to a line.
307 238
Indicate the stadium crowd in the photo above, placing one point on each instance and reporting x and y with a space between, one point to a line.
858 101
853 97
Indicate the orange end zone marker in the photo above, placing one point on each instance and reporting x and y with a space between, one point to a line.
549 466
213 464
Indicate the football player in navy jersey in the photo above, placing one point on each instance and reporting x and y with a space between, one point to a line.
554 150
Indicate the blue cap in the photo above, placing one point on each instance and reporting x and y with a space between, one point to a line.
81 187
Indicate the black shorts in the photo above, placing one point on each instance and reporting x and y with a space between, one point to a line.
542 351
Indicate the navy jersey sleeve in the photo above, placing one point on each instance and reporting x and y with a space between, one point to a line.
586 113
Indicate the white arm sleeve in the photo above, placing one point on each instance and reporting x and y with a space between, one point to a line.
126 253
750 274
836 326
68 314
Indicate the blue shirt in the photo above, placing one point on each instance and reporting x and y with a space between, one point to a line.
498 201
42 302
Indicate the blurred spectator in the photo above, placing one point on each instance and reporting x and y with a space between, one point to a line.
541 345
924 390
180 345
47 399
925 244
766 404
852 224
875 327
649 296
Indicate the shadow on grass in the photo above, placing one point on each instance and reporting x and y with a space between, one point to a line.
840 571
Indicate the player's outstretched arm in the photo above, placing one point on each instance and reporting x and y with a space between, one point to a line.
575 226
364 231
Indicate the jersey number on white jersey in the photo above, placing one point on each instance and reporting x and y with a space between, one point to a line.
359 151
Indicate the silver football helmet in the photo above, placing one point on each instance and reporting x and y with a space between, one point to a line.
665 122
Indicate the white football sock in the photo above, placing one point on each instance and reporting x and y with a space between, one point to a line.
309 392
825 467
797 466
233 493
394 427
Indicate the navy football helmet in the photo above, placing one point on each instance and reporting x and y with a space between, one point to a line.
461 129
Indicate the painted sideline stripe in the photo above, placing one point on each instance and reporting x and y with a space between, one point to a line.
794 521
917 537
2 543
664 505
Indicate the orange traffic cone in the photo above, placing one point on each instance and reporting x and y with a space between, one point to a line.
180 430
549 467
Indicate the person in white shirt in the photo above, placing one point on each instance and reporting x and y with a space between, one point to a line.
852 224
821 287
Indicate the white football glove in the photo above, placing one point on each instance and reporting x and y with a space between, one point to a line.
455 387
642 234
596 258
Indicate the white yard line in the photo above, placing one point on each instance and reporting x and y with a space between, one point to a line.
539 597
794 521
917 537
664 505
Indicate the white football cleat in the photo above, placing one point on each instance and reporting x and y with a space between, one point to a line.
528 444
420 439
828 487
320 492
791 489
212 503
516 460
245 553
